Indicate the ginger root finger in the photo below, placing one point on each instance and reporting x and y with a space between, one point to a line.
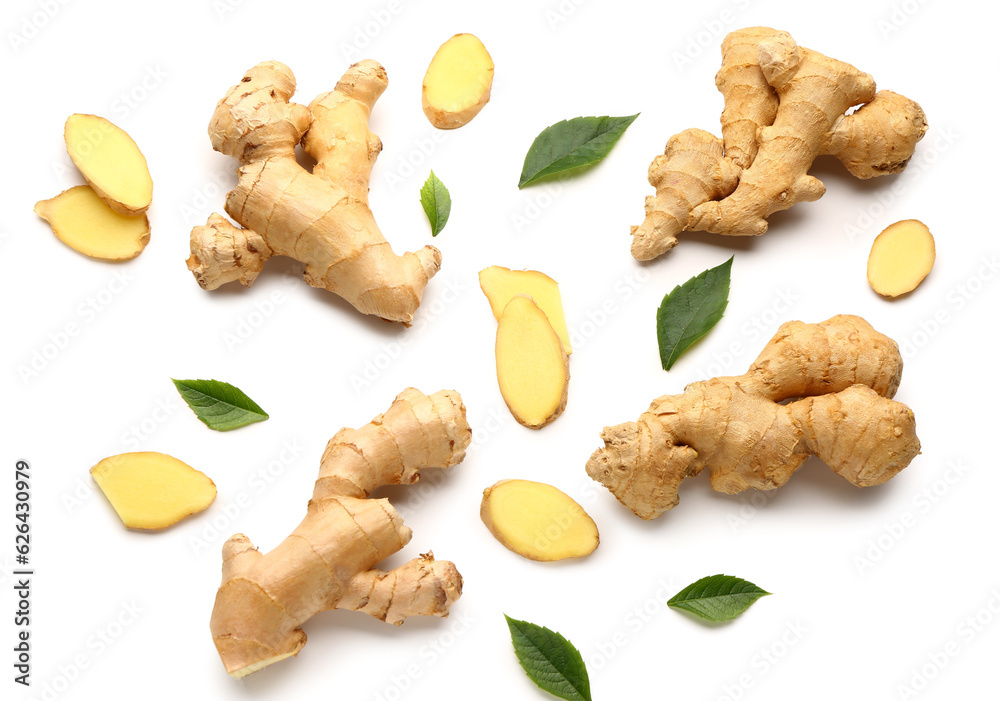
537 521
111 162
329 561
321 219
879 137
840 376
84 222
901 257
532 367
750 102
691 171
458 82
151 491
500 285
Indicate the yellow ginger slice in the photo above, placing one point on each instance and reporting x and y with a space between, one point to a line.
901 257
81 220
150 491
500 285
111 162
458 81
537 521
532 368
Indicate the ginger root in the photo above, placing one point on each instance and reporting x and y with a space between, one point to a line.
321 219
328 562
785 105
901 257
532 367
839 376
111 162
85 223
537 521
500 285
151 491
458 82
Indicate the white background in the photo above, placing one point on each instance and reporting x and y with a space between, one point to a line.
855 611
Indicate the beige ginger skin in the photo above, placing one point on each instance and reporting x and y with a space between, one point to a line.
839 376
321 219
785 105
329 561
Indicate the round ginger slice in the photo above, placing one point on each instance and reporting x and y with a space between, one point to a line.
151 491
532 367
111 162
81 220
458 82
538 521
901 257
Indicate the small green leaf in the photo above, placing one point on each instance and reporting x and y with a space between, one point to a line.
219 405
690 311
436 202
572 143
717 598
550 660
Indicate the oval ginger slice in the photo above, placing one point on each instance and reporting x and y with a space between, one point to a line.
82 220
538 521
151 491
111 162
901 257
500 285
458 82
532 368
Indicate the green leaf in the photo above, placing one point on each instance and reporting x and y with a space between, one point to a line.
436 202
219 405
572 143
550 660
690 311
717 598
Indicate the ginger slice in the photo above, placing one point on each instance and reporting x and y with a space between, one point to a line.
500 285
458 81
537 521
151 491
111 162
82 220
901 257
532 368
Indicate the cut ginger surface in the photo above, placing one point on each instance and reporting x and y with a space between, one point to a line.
111 162
538 521
901 257
85 223
500 285
532 368
151 491
458 82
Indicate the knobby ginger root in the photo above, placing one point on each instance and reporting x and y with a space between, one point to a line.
321 219
500 285
785 105
151 491
111 162
840 376
329 560
901 257
458 81
532 367
84 222
537 521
